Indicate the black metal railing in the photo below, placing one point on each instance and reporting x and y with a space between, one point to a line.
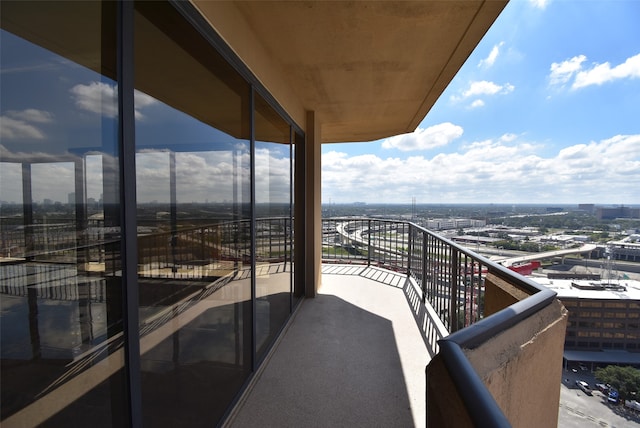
452 280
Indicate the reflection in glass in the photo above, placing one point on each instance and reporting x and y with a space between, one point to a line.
61 315
273 223
206 315
194 242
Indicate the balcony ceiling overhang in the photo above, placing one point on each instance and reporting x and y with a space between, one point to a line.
368 69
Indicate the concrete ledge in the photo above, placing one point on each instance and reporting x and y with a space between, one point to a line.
522 365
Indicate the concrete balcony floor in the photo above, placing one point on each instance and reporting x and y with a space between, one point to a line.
353 356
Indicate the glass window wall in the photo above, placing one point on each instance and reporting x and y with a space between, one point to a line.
61 296
196 218
213 271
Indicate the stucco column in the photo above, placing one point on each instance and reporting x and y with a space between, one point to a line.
313 202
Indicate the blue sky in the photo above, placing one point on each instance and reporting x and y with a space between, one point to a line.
545 110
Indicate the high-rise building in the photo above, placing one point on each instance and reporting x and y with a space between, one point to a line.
610 213
199 124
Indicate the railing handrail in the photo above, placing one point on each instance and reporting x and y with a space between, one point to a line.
479 332
526 283
475 334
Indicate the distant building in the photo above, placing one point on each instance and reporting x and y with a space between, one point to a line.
452 223
617 212
624 250
603 315
564 240
589 208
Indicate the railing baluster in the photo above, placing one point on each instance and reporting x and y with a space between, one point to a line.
409 252
369 253
422 256
439 266
453 285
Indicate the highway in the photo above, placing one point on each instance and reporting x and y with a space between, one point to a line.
587 248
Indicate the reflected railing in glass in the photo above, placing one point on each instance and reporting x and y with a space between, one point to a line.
212 251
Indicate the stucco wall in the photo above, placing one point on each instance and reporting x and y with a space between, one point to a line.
522 367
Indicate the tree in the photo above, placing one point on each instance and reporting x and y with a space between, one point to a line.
624 379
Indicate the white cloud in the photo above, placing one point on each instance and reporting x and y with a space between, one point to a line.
493 55
100 98
539 4
424 138
142 100
96 97
563 72
12 129
602 73
51 178
508 137
209 176
505 169
272 176
483 88
10 172
52 181
31 115
19 124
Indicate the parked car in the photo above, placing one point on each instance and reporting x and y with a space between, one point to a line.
584 386
613 396
632 404
602 387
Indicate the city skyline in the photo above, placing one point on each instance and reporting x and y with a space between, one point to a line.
543 111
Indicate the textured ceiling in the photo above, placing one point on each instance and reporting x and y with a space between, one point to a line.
368 69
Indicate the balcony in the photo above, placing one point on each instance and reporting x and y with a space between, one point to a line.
394 299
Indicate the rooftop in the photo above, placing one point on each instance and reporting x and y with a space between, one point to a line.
603 290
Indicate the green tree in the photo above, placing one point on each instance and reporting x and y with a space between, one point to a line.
624 379
530 247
